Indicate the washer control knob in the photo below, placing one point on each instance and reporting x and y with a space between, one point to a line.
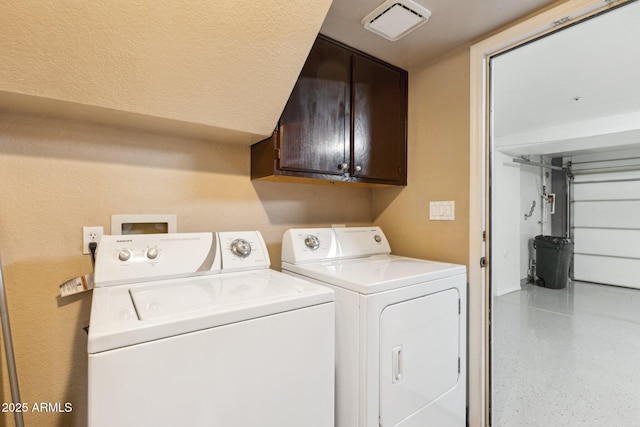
312 242
152 253
377 238
124 255
241 248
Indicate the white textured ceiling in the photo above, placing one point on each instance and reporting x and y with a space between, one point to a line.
580 84
453 23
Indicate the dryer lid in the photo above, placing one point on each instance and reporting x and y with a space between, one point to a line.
376 273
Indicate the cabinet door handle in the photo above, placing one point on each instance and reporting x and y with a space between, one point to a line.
342 166
358 168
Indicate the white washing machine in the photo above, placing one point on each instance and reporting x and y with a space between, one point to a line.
195 330
400 327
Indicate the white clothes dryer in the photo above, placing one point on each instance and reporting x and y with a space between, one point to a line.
194 329
400 327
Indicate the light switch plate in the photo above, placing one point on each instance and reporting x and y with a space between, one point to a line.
442 211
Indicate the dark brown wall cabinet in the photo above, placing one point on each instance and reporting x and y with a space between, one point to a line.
345 122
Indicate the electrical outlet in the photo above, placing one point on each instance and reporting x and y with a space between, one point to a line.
90 234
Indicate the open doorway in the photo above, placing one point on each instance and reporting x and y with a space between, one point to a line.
564 152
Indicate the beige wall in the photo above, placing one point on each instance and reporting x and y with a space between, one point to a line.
57 176
438 166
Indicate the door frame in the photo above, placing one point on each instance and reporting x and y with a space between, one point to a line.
545 21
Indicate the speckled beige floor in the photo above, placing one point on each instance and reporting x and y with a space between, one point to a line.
567 357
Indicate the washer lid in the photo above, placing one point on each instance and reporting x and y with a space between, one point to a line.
376 273
180 299
128 315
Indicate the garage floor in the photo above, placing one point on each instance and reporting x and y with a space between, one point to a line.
567 357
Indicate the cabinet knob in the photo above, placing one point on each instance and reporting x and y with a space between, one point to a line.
342 166
358 168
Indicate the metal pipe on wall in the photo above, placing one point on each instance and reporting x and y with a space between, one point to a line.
8 348
527 162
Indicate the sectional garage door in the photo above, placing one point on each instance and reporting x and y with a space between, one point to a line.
606 226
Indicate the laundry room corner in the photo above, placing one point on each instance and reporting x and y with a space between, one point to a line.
61 175
438 170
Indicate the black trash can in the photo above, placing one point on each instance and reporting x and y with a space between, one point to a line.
553 256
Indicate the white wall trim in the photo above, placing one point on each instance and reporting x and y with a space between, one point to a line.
479 298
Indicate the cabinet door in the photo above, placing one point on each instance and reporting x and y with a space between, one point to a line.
314 128
379 121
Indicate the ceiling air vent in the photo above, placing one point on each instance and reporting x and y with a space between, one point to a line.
394 19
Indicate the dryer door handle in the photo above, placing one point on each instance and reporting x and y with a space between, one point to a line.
396 358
